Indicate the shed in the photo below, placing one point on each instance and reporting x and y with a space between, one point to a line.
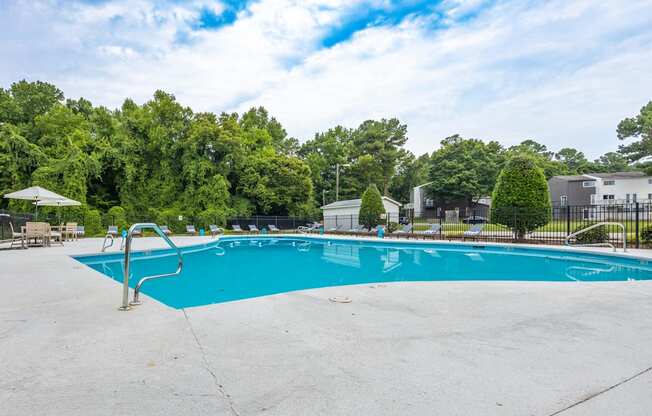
345 213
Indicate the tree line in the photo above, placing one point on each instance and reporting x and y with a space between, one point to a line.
163 159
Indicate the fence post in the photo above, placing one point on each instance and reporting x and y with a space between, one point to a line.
567 220
637 218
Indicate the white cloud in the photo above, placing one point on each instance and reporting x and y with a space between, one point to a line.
561 72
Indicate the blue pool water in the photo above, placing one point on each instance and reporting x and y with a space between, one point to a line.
244 267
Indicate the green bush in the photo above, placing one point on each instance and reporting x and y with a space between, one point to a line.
595 235
391 227
371 207
520 199
646 234
117 216
92 223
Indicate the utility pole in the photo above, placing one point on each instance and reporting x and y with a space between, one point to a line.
337 179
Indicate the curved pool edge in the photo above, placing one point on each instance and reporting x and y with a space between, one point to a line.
388 240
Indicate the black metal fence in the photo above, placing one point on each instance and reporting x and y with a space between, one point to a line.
483 224
518 224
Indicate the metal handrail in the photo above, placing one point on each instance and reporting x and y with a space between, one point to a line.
600 224
125 287
104 245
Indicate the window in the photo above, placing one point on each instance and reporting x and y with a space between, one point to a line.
627 198
430 203
588 184
634 197
608 197
593 196
650 182
563 200
649 197
608 183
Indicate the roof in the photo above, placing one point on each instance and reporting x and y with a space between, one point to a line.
593 176
354 203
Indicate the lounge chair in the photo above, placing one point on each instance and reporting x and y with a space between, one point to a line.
112 230
308 228
237 228
356 229
473 232
434 229
335 229
407 229
253 228
215 230
165 229
273 229
81 231
190 229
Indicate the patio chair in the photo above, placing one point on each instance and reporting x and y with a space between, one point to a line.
36 231
16 237
215 230
70 231
165 229
473 232
190 229
253 228
54 235
112 230
273 228
81 231
236 228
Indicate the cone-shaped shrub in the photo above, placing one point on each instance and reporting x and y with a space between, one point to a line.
371 207
520 199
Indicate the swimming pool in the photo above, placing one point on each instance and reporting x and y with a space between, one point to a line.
234 268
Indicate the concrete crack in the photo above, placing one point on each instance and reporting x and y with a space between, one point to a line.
594 395
220 387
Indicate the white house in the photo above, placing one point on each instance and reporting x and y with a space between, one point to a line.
345 213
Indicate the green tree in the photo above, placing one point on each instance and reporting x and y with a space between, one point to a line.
639 128
574 160
371 207
412 171
382 141
521 199
464 169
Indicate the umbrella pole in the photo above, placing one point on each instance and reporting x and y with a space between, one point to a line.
36 213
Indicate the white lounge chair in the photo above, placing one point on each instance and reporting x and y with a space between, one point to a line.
215 230
253 228
473 232
273 228
165 229
190 229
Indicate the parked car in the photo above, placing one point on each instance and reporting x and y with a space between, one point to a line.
475 219
404 220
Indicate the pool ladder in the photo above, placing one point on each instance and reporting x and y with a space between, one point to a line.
605 244
126 305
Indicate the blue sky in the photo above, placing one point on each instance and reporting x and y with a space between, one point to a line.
561 72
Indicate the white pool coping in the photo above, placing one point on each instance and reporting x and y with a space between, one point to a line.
507 348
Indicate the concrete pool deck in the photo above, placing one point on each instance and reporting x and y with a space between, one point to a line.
446 348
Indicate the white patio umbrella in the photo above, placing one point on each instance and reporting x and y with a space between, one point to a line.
65 202
36 194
